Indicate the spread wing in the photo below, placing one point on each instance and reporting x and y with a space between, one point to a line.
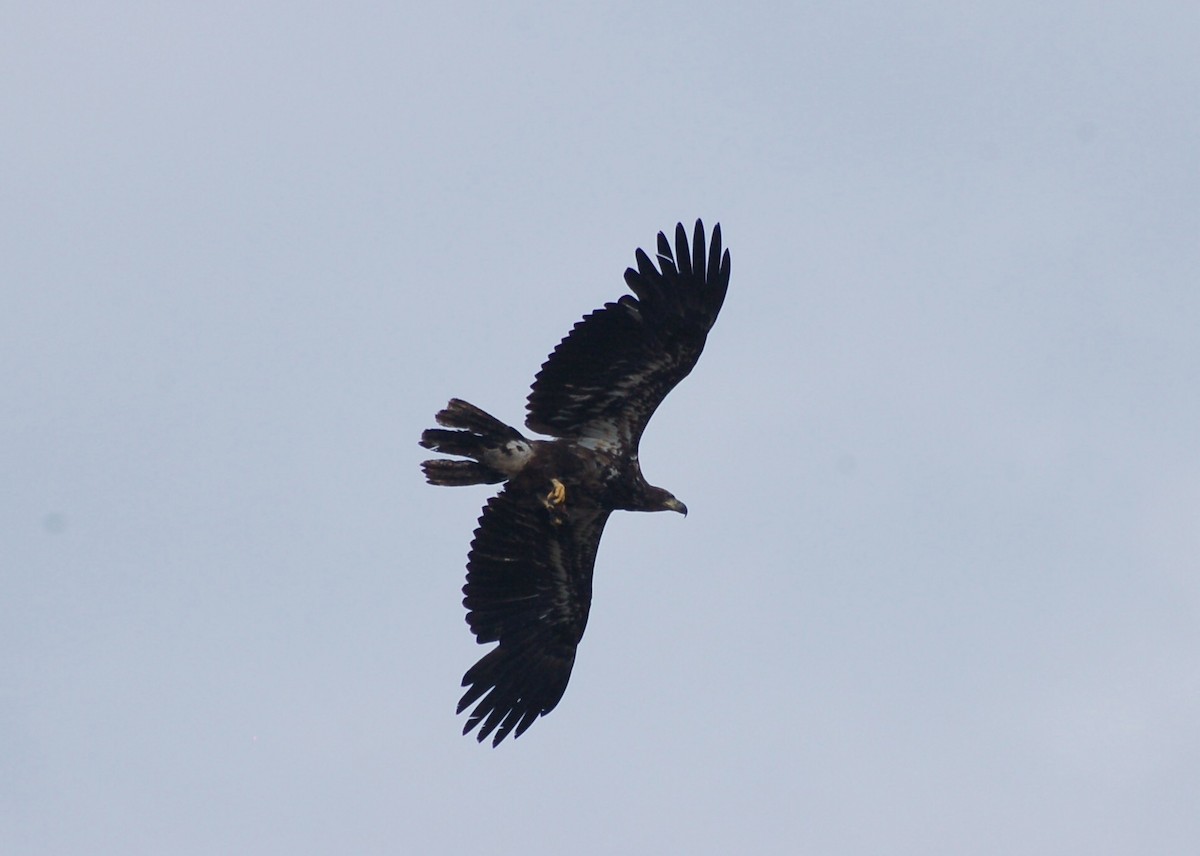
607 377
529 587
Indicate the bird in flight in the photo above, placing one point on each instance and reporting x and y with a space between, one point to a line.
529 570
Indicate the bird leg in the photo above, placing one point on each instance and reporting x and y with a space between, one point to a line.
555 499
557 495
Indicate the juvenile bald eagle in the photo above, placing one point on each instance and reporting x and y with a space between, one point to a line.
529 572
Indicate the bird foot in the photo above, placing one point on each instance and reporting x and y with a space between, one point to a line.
557 495
556 498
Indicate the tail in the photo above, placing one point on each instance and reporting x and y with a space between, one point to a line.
496 450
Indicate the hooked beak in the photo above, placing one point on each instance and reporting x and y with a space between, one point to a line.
674 504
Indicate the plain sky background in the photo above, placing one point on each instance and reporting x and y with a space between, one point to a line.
939 590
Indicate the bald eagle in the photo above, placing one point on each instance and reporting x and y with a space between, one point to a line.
529 571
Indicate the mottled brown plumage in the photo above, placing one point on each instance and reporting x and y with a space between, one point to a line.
529 571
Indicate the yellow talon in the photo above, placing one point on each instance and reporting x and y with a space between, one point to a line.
557 495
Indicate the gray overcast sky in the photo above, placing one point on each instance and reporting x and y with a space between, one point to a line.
940 584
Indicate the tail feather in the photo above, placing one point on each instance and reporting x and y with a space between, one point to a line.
461 414
447 442
496 450
455 473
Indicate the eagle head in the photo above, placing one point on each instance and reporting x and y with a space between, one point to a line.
657 499
673 504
